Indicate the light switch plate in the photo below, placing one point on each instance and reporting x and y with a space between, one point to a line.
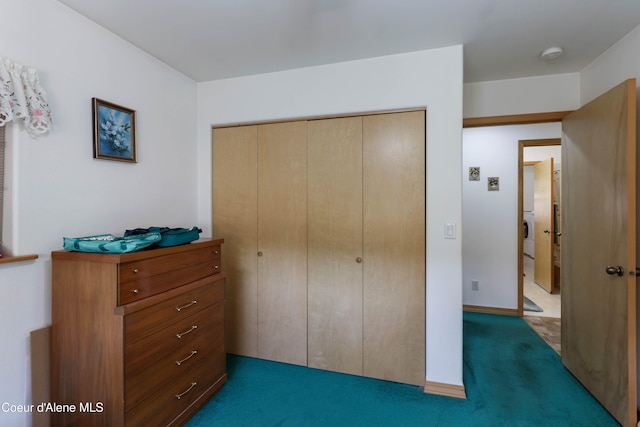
449 231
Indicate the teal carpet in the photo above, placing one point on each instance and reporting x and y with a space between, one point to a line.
512 378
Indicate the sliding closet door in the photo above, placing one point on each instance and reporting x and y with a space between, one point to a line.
335 245
282 242
394 246
235 197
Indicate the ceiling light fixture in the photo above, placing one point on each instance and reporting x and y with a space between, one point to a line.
551 53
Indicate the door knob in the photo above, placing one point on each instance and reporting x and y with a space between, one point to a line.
547 231
358 260
615 270
260 253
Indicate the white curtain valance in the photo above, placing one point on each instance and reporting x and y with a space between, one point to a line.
22 97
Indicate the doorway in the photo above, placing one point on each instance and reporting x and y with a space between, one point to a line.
540 237
491 221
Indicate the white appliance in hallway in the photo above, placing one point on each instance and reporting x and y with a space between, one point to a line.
528 243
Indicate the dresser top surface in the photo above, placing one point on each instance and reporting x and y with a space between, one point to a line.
134 256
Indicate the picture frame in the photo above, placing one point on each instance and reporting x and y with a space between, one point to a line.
493 183
474 173
114 132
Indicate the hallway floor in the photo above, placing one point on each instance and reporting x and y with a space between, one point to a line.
545 323
550 303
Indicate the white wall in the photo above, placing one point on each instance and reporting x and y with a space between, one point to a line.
490 218
617 64
60 189
537 154
429 78
543 94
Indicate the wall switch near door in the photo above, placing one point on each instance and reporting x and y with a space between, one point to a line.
449 231
475 285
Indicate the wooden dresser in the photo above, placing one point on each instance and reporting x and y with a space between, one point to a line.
137 339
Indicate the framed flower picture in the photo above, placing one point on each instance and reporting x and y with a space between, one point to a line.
114 132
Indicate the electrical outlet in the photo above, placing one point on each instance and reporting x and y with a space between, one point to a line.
475 285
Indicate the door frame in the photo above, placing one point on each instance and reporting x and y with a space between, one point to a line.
521 146
517 119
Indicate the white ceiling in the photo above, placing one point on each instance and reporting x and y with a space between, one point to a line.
214 39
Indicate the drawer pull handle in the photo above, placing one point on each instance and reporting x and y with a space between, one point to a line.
179 396
135 291
193 328
135 270
215 252
186 306
180 362
215 267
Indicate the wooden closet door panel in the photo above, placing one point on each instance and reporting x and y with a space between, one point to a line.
394 246
282 242
235 198
335 245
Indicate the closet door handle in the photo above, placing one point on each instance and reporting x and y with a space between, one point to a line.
260 253
358 260
617 270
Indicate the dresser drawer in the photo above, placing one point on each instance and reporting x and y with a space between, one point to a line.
134 270
153 285
173 366
164 404
146 277
143 323
178 336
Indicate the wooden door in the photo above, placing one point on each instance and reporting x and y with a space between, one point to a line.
543 224
599 231
335 245
282 242
235 187
394 246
